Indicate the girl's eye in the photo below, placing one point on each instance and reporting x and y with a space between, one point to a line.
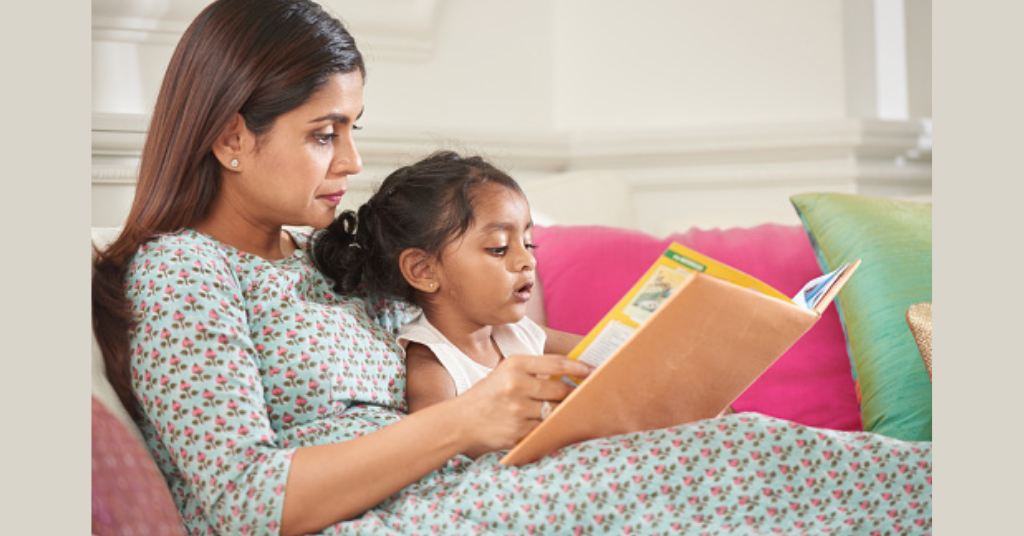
357 127
325 139
498 252
530 247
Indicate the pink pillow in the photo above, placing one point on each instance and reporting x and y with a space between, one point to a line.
129 494
584 270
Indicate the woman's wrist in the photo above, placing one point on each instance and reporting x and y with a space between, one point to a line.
454 424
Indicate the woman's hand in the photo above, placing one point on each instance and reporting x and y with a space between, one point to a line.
504 406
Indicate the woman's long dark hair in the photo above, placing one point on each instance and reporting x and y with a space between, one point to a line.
426 205
257 58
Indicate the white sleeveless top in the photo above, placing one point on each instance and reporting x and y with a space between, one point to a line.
523 337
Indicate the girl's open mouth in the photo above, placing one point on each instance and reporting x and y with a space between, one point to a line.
523 293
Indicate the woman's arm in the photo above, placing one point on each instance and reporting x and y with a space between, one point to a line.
427 381
358 474
334 482
197 377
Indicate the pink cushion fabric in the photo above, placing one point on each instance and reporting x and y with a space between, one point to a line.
129 495
584 270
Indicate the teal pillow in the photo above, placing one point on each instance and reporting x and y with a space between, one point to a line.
893 239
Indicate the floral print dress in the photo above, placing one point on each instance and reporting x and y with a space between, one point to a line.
237 361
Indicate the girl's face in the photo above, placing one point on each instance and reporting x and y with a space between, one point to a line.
486 276
298 172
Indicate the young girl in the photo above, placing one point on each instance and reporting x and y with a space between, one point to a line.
453 236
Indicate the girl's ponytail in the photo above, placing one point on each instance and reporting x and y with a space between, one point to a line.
338 253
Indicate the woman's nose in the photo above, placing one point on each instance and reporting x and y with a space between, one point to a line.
347 160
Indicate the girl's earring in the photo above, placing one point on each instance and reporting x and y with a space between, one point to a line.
234 162
431 286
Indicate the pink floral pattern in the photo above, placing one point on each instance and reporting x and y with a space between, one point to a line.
237 361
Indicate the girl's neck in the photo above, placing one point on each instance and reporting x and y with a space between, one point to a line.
474 341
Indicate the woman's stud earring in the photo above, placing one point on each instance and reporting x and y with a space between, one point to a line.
234 162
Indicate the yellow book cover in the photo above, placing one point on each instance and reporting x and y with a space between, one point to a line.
659 282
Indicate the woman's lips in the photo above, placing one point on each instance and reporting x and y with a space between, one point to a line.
334 198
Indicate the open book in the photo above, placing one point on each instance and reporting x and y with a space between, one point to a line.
686 340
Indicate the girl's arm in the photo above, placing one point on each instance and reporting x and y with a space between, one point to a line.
557 342
560 342
427 381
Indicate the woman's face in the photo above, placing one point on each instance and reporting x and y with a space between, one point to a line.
297 173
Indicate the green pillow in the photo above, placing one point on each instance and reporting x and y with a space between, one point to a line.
893 239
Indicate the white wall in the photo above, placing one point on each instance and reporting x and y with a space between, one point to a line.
482 73
657 64
709 113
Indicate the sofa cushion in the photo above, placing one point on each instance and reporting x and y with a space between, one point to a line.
129 495
919 318
893 239
585 270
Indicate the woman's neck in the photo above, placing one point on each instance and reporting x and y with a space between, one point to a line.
268 242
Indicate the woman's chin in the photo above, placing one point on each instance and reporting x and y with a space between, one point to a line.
319 221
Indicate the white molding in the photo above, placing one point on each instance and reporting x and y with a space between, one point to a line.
891 58
123 135
117 143
839 152
114 122
398 30
401 30
750 143
158 22
114 175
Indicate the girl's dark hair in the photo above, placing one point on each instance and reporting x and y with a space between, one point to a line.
426 205
257 58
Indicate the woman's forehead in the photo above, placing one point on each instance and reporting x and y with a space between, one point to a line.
339 99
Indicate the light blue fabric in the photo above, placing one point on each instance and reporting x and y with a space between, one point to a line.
237 361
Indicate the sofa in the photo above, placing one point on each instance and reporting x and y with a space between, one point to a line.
865 365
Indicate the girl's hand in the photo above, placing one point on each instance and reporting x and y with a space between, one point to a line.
504 406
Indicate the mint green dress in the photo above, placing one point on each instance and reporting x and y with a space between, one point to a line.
237 361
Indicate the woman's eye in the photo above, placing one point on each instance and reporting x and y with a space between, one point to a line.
325 139
530 247
499 252
357 127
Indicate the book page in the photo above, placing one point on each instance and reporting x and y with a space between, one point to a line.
605 342
657 284
815 290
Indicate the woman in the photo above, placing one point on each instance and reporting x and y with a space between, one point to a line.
274 405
